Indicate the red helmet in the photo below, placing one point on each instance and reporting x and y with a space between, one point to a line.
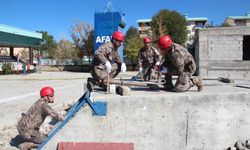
45 91
146 40
118 36
165 42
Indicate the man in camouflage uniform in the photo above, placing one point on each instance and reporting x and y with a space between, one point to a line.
148 57
178 61
106 62
30 122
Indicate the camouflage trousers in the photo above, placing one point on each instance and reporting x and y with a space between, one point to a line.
148 73
100 74
33 135
184 80
183 83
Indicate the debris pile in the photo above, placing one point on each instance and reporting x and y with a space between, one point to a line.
240 145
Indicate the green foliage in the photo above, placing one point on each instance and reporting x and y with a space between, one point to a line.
131 33
48 45
83 37
132 44
170 23
7 68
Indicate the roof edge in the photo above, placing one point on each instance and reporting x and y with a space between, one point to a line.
19 31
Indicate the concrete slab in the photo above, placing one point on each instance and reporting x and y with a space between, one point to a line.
149 119
212 119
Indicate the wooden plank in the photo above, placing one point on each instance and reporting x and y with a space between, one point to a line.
94 146
135 83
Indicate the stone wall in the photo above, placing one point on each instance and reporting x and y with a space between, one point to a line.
219 52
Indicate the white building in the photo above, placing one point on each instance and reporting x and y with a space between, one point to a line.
238 20
192 24
145 30
144 27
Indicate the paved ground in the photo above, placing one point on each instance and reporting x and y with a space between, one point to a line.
19 92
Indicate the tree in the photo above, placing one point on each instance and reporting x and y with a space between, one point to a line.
66 50
83 37
24 54
3 51
226 25
132 32
170 23
48 45
132 44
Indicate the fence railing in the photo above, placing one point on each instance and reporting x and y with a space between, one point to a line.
65 62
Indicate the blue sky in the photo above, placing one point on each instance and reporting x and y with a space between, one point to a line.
56 16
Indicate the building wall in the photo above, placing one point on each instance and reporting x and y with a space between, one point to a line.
144 29
248 22
191 26
219 53
231 21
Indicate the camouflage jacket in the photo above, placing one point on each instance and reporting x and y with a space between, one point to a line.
36 115
148 56
180 59
104 53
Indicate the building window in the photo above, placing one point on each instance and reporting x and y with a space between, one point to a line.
199 24
246 47
140 24
188 24
240 22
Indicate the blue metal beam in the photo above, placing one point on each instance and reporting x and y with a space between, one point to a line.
99 108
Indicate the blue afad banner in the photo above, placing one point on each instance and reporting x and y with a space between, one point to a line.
100 39
103 39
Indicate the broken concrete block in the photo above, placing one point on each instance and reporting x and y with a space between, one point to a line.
248 143
122 90
240 145
231 148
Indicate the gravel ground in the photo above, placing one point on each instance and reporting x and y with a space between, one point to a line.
18 93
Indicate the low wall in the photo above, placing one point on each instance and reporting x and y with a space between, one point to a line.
76 68
71 68
163 120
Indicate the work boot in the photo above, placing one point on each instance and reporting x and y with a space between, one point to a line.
168 87
90 84
103 85
198 81
26 146
168 82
